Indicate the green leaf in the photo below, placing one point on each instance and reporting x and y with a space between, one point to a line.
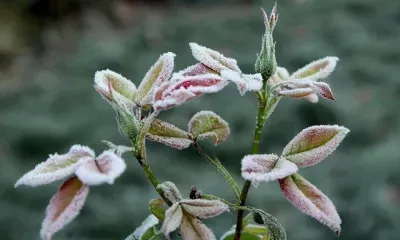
206 124
158 208
276 230
245 236
146 230
168 134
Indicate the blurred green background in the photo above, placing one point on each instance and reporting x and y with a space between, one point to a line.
50 49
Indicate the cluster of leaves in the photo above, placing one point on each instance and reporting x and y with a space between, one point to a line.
137 109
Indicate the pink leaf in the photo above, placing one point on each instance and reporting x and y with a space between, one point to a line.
297 92
311 201
314 144
213 59
194 70
194 229
173 218
64 206
184 89
203 208
323 90
266 167
159 73
105 169
313 98
56 167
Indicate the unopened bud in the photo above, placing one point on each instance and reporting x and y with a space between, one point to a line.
128 125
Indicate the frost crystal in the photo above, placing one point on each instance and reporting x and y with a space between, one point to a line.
266 167
104 169
204 208
179 91
213 59
194 70
170 191
311 201
173 218
64 206
314 144
56 167
159 73
205 124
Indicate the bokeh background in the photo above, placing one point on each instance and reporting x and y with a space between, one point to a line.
50 49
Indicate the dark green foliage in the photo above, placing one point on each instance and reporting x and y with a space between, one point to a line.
54 106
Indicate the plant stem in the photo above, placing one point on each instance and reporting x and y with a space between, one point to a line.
139 155
221 169
266 106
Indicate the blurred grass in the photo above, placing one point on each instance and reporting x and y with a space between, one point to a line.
47 103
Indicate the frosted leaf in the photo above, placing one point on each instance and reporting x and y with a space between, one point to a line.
314 144
244 82
111 86
64 206
105 169
117 149
159 73
168 134
282 73
205 124
197 69
194 229
184 89
266 167
311 201
323 90
173 218
146 225
56 167
297 92
213 59
316 70
255 229
203 208
313 98
170 190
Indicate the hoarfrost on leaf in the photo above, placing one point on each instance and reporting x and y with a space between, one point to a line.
205 124
194 229
104 169
311 201
64 206
266 167
170 191
203 208
56 167
244 82
147 224
316 70
173 218
213 59
159 73
168 134
314 144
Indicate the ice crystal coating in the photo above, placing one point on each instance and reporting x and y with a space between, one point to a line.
168 134
304 87
183 89
64 206
311 201
314 144
213 59
170 190
113 87
146 225
159 73
296 93
104 169
244 82
117 149
173 219
266 167
203 208
194 229
318 69
56 167
270 22
156 206
205 124
194 70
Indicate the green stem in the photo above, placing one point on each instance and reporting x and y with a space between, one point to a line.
140 155
221 169
266 106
